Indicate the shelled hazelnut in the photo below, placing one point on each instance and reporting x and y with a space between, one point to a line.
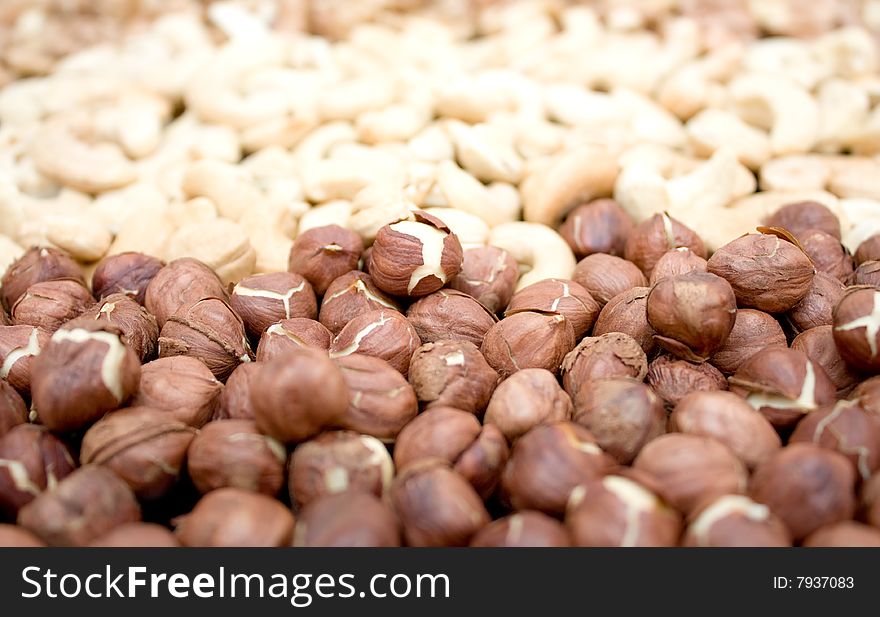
870 500
868 273
180 385
857 328
828 254
19 345
350 296
677 261
817 306
528 340
383 334
654 237
818 344
139 330
13 410
599 226
627 313
807 487
605 276
602 357
37 265
13 536
752 331
844 534
523 529
526 399
867 393
735 521
288 334
451 373
618 511
126 273
673 379
322 254
264 299
489 274
48 305
350 519
560 296
868 250
450 314
803 216
178 286
235 399
137 535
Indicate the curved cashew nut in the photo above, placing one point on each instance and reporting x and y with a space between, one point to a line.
486 152
336 212
9 251
225 184
843 113
697 84
271 227
865 216
221 244
712 129
538 249
464 192
471 230
376 206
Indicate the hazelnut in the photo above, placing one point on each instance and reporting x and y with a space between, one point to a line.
180 385
48 305
454 374
603 357
263 299
752 331
288 334
654 237
599 226
817 306
690 469
234 453
298 394
526 399
349 296
605 276
450 314
210 331
807 487
845 428
415 256
857 328
138 328
559 296
521 530
31 460
477 452
818 344
488 274
736 521
803 216
18 347
528 340
727 418
38 264
871 500
867 394
548 462
672 379
627 313
436 506
383 334
347 520
336 462
868 273
81 508
844 534
677 261
828 254
235 517
869 250
622 414
82 374
13 410
322 254
235 400
137 535
617 511
767 271
178 286
692 314
783 384
125 273
12 536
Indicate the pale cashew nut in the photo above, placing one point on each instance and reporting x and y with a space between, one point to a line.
81 235
337 212
540 251
712 129
114 208
464 192
843 112
346 100
471 230
271 227
854 177
225 184
376 206
795 172
697 84
221 244
486 152
9 251
432 145
398 122
864 214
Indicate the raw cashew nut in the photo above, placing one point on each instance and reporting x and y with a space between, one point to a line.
539 250
464 192
337 212
221 244
486 152
223 183
374 207
271 226
712 129
471 230
81 235
9 251
864 214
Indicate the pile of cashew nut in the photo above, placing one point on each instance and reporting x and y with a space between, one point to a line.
222 130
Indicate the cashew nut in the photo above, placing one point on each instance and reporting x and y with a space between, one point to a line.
539 250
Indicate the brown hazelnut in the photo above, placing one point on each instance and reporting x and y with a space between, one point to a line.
31 460
137 535
603 357
322 254
235 400
383 334
38 264
13 411
48 305
178 286
817 306
844 534
805 215
548 462
677 261
138 328
415 256
828 254
735 521
382 401
622 414
526 399
336 462
477 452
672 379
81 508
125 273
692 314
287 334
857 328
654 237
298 394
807 487
617 511
600 226
18 346
871 500
347 520
263 299
690 469
234 453
818 344
869 250
450 314
605 276
235 517
12 536
868 273
867 394
783 384
349 296
528 340
82 374
180 385
521 530
436 506
767 271
752 331
454 374
489 274
627 313
729 419
559 296
209 331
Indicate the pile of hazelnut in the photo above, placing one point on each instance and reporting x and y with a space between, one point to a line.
409 393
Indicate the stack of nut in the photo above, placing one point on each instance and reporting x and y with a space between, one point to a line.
415 392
